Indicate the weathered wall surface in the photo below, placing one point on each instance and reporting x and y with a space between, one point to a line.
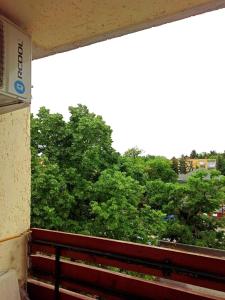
14 173
13 255
14 188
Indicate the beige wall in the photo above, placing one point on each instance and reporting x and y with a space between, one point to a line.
14 188
57 26
13 255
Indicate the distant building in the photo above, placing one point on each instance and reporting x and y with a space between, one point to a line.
194 164
206 163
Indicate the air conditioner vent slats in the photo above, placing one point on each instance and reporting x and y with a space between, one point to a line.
1 54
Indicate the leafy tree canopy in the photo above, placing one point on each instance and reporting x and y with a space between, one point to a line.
81 184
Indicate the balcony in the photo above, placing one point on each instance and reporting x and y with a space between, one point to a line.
69 266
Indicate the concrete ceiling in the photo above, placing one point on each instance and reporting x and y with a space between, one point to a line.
61 25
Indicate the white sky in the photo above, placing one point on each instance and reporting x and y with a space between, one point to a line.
161 89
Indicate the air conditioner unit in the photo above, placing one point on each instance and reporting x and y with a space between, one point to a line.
15 64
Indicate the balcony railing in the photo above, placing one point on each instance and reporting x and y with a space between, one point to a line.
69 266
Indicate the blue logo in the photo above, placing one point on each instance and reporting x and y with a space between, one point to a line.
19 87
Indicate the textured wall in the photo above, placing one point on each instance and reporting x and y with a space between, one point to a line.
57 25
14 173
14 190
13 255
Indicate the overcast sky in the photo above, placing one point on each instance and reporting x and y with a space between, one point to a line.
162 89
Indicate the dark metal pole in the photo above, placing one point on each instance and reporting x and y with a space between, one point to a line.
57 272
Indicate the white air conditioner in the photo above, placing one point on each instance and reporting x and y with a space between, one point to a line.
15 64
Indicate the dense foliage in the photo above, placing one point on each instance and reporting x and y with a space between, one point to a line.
81 184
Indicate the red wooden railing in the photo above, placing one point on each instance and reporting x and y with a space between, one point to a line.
60 269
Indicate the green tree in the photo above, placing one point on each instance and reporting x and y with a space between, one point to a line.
133 152
84 142
175 164
194 154
192 205
118 211
51 201
220 163
134 167
183 165
212 154
90 148
158 193
71 155
160 168
80 184
144 168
